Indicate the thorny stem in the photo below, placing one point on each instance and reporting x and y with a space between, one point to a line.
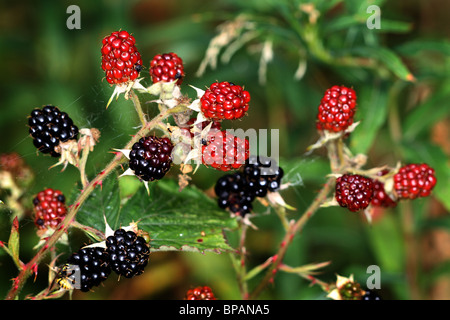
82 166
242 255
26 271
138 107
294 228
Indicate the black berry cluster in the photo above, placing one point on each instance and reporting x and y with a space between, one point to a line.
93 267
49 127
151 158
233 194
237 191
262 174
128 253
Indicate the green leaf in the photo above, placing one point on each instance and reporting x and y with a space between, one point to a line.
13 242
103 201
188 220
426 114
388 57
371 110
185 220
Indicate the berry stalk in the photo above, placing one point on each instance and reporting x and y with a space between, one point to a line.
27 269
294 228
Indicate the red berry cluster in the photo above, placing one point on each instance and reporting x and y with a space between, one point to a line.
224 100
120 59
167 67
49 208
414 180
336 109
223 151
200 293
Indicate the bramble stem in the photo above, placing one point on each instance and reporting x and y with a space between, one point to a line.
138 107
26 271
294 228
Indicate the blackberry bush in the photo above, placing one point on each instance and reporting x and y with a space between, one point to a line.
182 211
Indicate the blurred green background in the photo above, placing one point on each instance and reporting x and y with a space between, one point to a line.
323 43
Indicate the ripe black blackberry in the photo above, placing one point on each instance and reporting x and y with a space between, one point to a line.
234 194
262 174
128 253
151 158
49 127
94 268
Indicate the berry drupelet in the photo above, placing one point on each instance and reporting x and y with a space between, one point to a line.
49 127
128 253
151 158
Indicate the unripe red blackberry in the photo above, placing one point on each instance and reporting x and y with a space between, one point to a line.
262 174
49 208
151 158
167 67
414 180
92 266
224 100
49 127
380 197
233 194
354 191
223 151
336 109
200 293
128 253
121 60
